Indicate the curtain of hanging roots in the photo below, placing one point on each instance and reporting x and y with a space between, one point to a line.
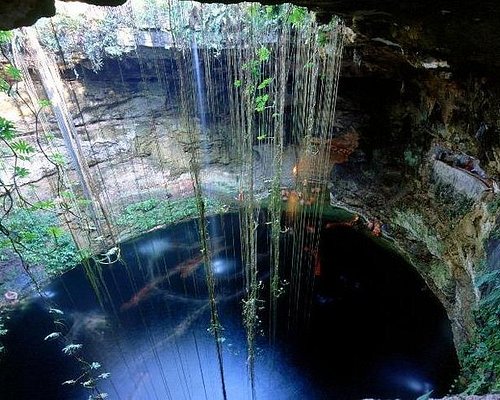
264 99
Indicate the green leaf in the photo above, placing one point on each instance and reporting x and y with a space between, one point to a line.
84 254
50 136
237 83
44 204
21 172
55 231
263 54
252 66
265 83
253 10
5 36
6 129
27 236
262 137
322 38
260 102
297 16
58 159
23 147
4 85
13 73
44 103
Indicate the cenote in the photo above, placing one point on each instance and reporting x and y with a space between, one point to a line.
369 328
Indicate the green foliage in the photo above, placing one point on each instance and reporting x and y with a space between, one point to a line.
94 37
4 85
237 83
21 172
265 83
40 239
43 103
12 72
260 102
19 149
23 147
142 216
263 53
58 158
9 75
481 357
253 66
322 38
7 131
5 37
297 16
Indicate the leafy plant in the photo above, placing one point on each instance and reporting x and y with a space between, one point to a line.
265 83
481 356
41 240
297 16
263 53
88 378
147 214
5 37
91 36
260 102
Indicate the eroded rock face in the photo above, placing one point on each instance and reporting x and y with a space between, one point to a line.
435 211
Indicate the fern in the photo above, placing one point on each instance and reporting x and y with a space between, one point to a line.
71 349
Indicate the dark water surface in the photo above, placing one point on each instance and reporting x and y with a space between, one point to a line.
373 328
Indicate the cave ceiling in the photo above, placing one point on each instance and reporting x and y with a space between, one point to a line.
465 34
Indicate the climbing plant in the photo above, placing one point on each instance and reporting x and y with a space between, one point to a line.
481 356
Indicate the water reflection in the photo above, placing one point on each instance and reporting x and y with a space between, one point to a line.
371 333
